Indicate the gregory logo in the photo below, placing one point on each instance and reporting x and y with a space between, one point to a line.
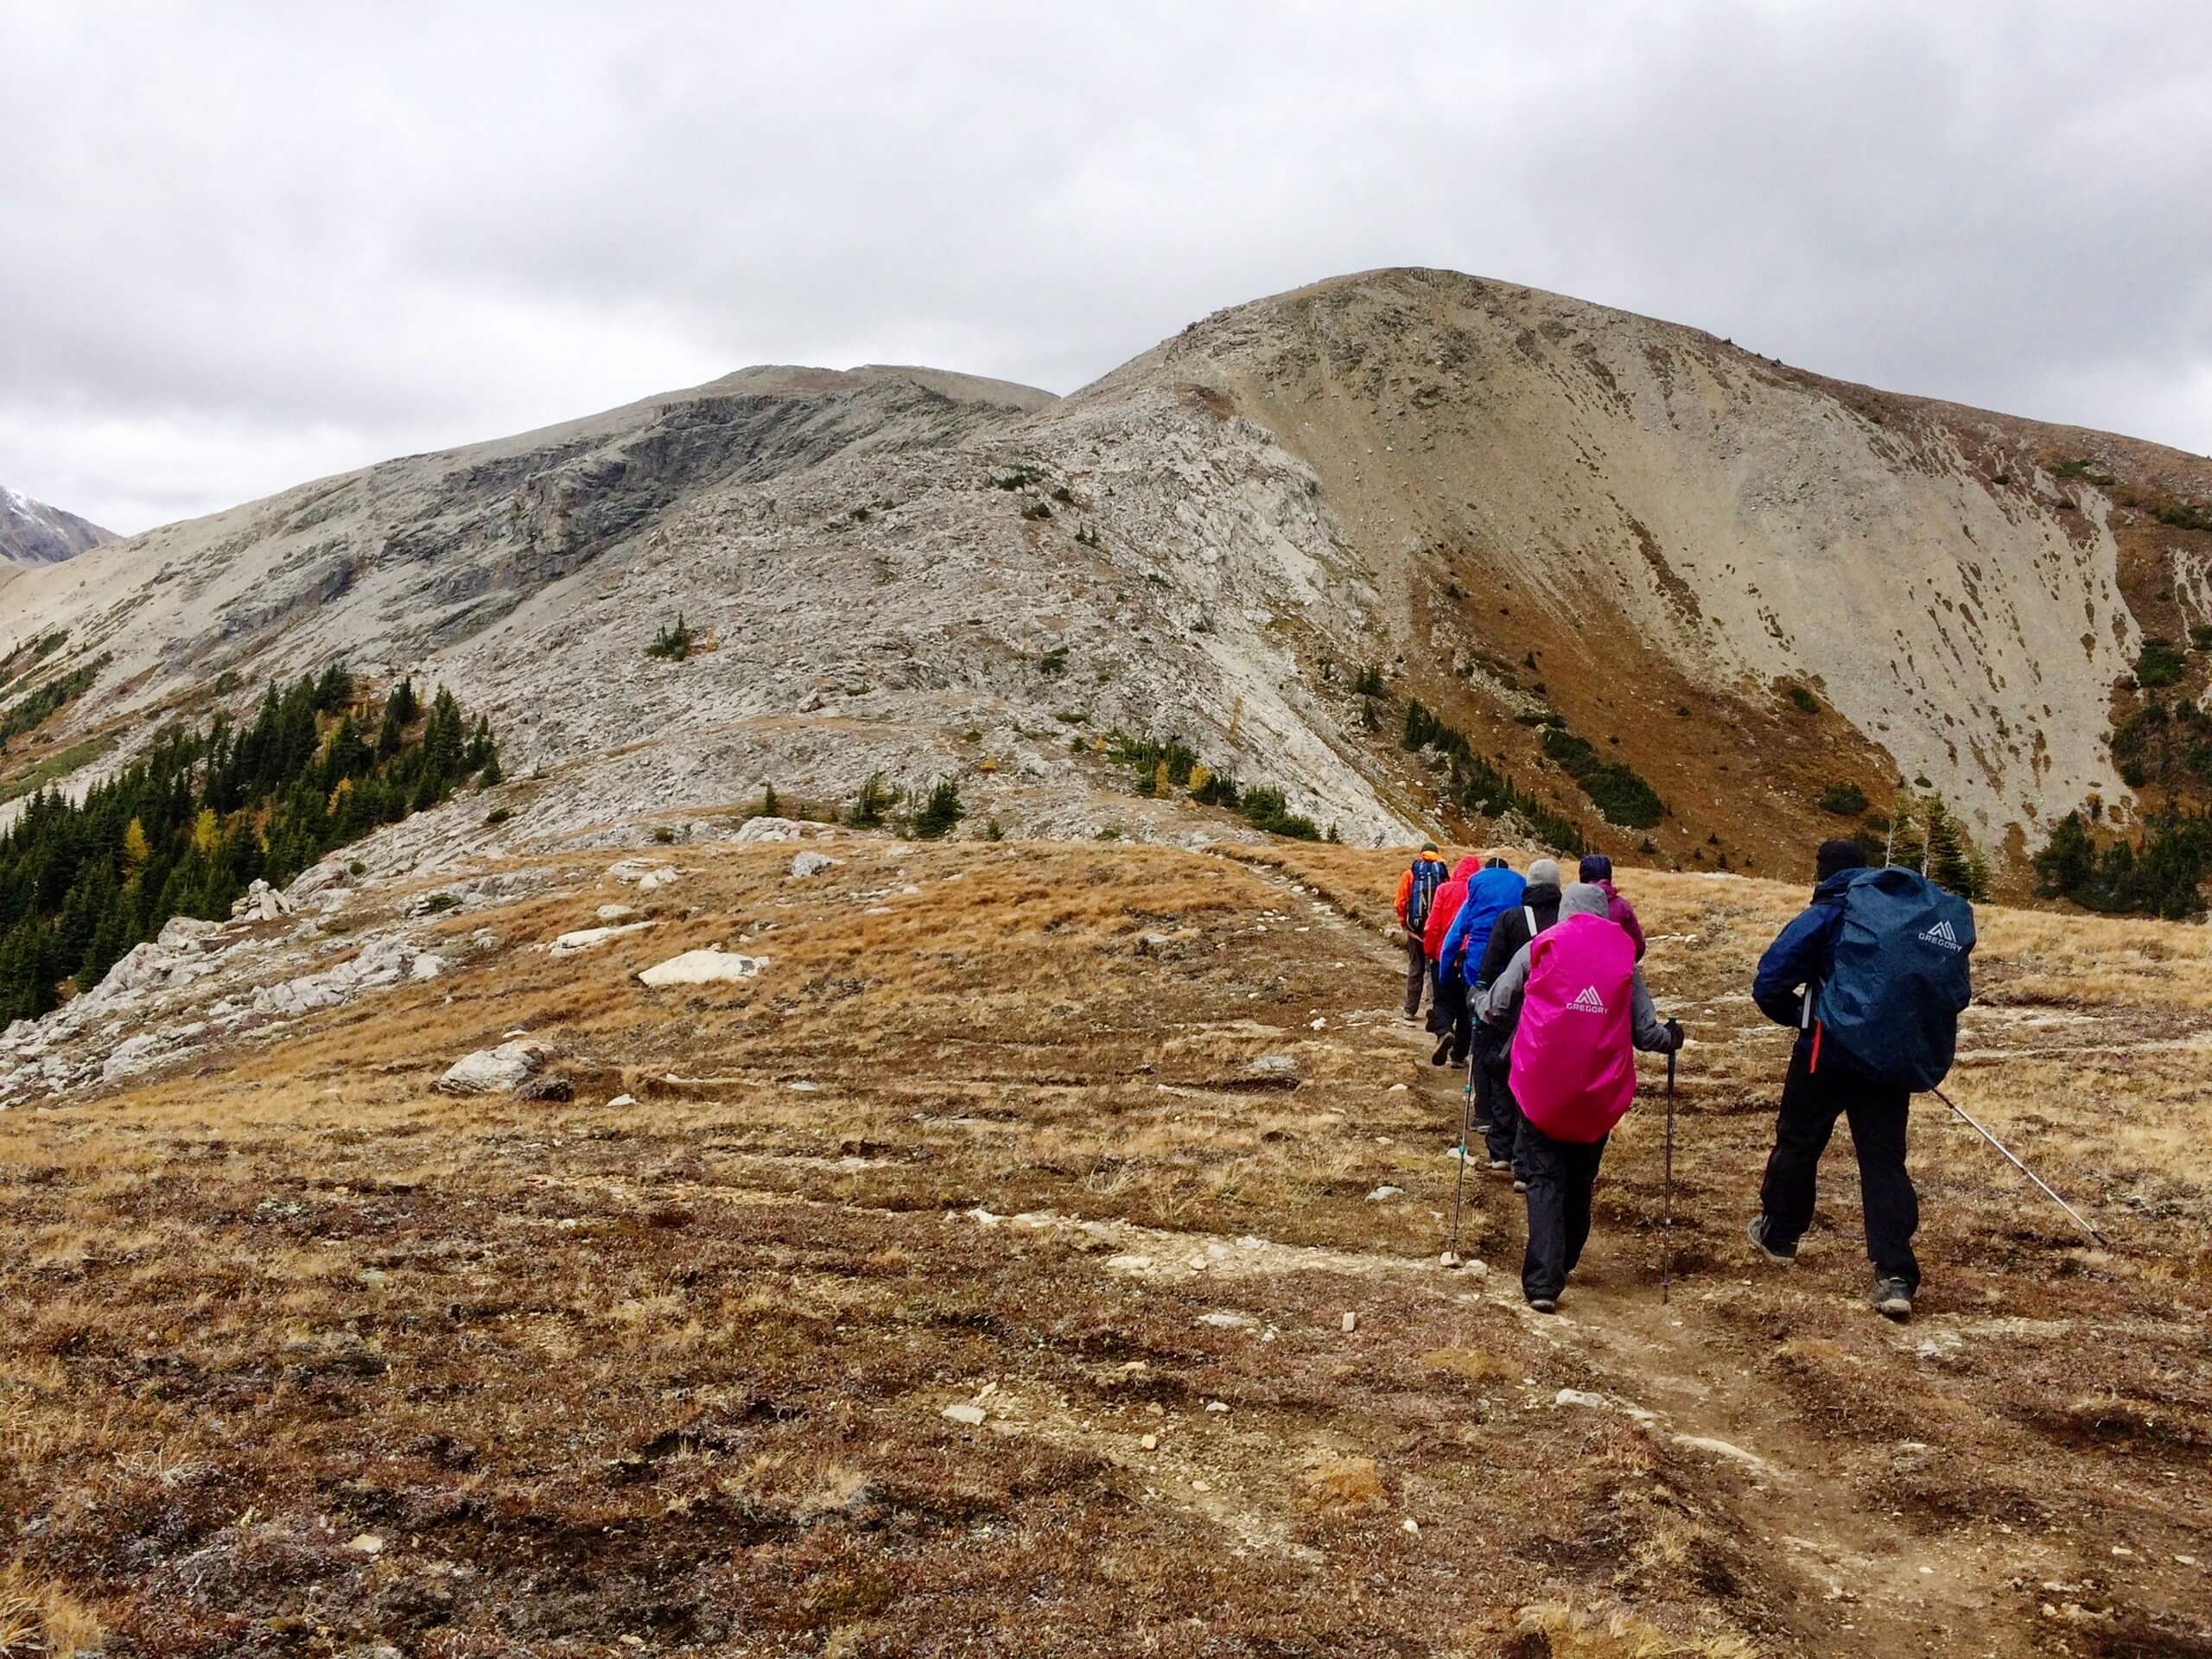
1940 934
1589 1002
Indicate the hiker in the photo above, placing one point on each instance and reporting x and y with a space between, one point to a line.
1416 892
1876 1008
1491 891
1573 1003
1447 1006
1519 923
1597 870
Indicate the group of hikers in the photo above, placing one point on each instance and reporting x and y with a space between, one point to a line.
1534 986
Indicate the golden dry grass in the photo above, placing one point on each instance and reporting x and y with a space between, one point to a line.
1023 1139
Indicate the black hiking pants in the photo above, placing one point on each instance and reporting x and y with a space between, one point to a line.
1494 1101
1560 1175
1811 1102
1449 1005
1417 975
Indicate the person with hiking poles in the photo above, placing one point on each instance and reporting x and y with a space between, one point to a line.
1573 1007
1536 909
1416 892
1872 976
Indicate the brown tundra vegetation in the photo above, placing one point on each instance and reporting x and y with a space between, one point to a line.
1042 1257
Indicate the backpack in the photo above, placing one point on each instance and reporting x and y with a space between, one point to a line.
1573 1069
1900 979
1428 876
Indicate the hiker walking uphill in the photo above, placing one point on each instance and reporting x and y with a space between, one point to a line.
1597 870
1491 891
1537 909
1573 1006
1416 893
1447 1008
1873 975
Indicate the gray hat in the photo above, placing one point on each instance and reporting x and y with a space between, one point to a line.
1582 899
1543 871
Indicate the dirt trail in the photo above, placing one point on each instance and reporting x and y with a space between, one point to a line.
1677 1370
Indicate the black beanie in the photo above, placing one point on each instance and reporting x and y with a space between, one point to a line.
1596 867
1837 856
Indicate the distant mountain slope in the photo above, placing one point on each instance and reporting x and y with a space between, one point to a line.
1618 555
32 533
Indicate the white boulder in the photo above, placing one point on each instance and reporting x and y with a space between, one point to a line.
702 967
261 902
182 933
811 863
779 829
495 1070
140 968
584 938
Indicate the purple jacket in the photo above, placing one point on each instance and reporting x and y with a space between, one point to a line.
1618 910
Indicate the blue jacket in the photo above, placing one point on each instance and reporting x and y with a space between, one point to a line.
1491 894
1802 954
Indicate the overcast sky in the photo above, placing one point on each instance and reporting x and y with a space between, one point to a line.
243 245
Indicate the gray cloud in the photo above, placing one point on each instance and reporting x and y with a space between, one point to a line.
240 246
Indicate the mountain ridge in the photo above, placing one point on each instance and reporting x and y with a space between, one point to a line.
1534 515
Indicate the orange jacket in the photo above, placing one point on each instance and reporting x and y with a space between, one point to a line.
1406 885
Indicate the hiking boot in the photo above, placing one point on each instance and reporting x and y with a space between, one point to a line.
1443 1051
1479 1127
1520 1186
1543 1304
1499 1166
1756 1232
1892 1299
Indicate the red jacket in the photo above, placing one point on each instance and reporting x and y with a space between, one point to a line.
1446 906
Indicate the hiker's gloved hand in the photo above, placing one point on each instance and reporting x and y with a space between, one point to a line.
1674 1038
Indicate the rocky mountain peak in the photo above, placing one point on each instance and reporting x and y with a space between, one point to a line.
32 533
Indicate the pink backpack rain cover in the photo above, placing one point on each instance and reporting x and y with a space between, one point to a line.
1573 1060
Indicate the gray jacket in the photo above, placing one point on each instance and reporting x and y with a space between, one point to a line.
1503 1007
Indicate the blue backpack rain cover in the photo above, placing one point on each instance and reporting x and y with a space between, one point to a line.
1428 875
1901 977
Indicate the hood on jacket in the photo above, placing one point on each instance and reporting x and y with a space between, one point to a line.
1466 867
1583 899
1537 894
1830 891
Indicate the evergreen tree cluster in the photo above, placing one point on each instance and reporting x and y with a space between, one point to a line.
1478 786
1162 766
2161 874
186 829
1925 836
2167 747
29 712
1617 790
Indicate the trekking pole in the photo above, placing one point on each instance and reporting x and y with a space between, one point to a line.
2022 1168
1459 1184
1667 1227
